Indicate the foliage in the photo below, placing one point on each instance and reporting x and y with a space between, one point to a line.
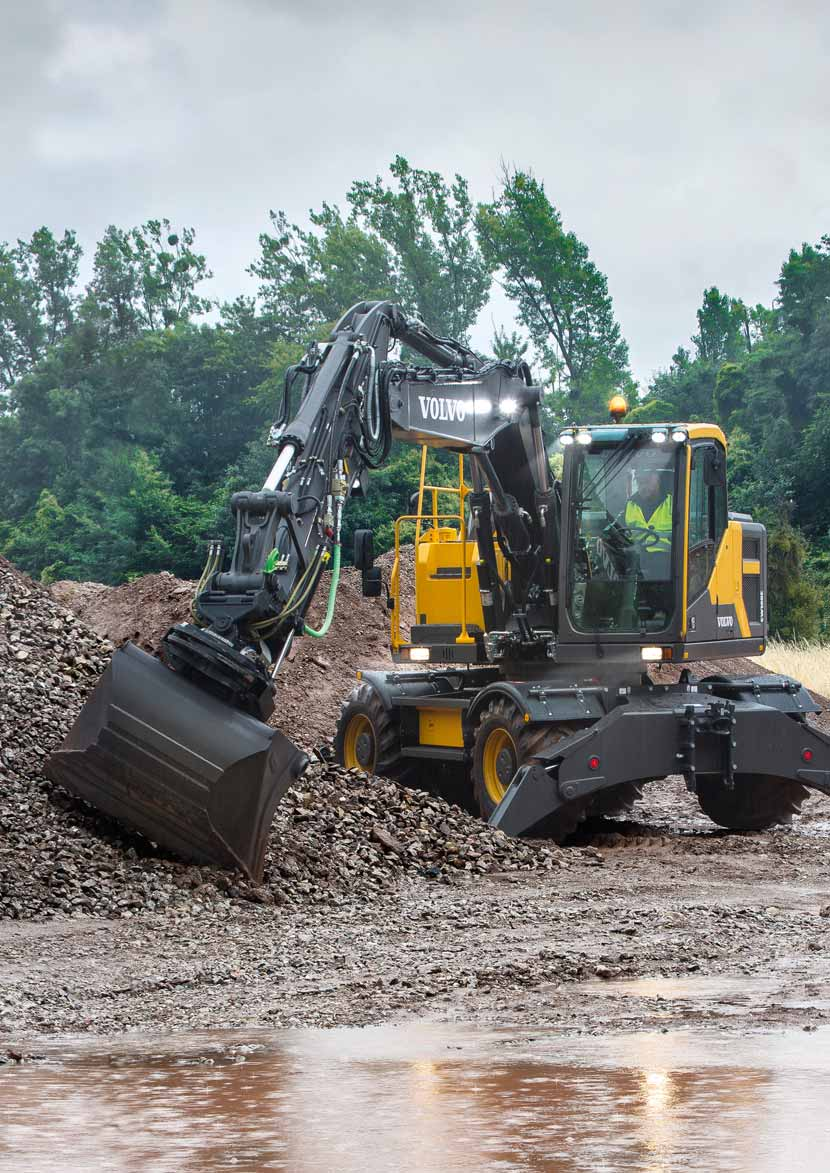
127 418
764 375
561 296
794 602
428 225
309 278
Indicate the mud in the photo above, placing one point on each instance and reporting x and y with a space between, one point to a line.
665 898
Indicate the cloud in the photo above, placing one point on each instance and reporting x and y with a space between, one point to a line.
685 145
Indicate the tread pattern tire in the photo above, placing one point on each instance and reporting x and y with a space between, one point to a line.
530 741
364 701
756 802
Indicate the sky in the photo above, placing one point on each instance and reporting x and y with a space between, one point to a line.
686 144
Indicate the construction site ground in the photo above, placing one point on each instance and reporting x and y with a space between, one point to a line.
378 905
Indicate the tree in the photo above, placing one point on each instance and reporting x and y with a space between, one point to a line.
562 297
508 347
146 278
308 279
428 225
37 299
723 328
21 330
794 600
804 286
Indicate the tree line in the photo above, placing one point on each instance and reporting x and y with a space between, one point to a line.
131 407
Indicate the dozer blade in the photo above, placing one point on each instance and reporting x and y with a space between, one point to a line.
190 772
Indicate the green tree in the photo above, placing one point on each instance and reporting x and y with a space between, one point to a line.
147 278
562 297
795 602
723 328
308 279
429 226
804 286
21 329
509 347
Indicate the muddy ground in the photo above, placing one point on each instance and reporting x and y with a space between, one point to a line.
661 921
740 923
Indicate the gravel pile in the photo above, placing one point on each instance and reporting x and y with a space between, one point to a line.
339 836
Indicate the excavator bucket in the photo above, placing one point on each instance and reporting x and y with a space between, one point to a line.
190 772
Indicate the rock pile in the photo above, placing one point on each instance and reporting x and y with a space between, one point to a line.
50 662
339 835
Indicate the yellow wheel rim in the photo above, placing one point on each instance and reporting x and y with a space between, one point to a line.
499 763
359 744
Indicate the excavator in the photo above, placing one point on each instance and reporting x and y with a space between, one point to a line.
541 603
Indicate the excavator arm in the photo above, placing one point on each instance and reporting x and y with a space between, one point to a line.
180 750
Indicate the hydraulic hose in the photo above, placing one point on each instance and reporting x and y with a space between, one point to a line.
335 578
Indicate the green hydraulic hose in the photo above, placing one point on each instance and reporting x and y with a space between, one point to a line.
335 578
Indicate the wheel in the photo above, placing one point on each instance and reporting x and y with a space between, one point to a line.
756 801
367 735
617 801
502 743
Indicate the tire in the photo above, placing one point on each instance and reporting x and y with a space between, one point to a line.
367 736
619 800
756 802
503 742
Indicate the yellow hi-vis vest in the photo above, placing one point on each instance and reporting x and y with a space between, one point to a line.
660 521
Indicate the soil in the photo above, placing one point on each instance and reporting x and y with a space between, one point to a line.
379 902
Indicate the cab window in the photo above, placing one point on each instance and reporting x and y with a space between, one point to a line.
707 514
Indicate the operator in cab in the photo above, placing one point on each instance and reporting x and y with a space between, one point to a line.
648 519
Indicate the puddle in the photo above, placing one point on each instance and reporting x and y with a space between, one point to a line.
424 1097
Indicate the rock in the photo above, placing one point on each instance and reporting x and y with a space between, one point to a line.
387 841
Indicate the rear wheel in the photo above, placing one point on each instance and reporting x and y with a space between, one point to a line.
504 741
755 802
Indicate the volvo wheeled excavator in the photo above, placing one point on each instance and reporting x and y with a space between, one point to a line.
541 601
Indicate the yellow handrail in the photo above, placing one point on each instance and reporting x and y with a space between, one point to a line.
460 490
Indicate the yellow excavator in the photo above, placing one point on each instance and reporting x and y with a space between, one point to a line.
541 601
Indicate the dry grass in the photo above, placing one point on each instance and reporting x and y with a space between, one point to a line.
807 662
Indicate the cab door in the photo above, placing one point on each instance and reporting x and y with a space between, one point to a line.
707 525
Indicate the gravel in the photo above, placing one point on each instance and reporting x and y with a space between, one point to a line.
339 836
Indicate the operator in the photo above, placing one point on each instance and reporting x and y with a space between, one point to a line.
650 509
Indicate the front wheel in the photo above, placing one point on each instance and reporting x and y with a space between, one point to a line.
754 803
504 741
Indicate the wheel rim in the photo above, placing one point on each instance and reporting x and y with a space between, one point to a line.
499 763
359 744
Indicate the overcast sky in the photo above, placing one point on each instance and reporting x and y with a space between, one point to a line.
687 144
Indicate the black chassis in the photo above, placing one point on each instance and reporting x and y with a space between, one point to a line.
715 726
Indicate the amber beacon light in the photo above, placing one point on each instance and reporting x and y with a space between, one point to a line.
618 407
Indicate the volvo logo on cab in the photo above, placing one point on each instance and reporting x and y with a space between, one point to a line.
449 410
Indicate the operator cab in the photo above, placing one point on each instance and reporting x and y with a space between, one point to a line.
650 554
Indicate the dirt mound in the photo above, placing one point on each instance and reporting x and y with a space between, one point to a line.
140 611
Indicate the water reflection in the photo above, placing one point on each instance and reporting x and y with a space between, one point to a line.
421 1098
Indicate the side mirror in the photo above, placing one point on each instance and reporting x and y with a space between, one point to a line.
371 583
364 549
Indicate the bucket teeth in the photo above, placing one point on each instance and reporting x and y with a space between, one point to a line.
192 774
